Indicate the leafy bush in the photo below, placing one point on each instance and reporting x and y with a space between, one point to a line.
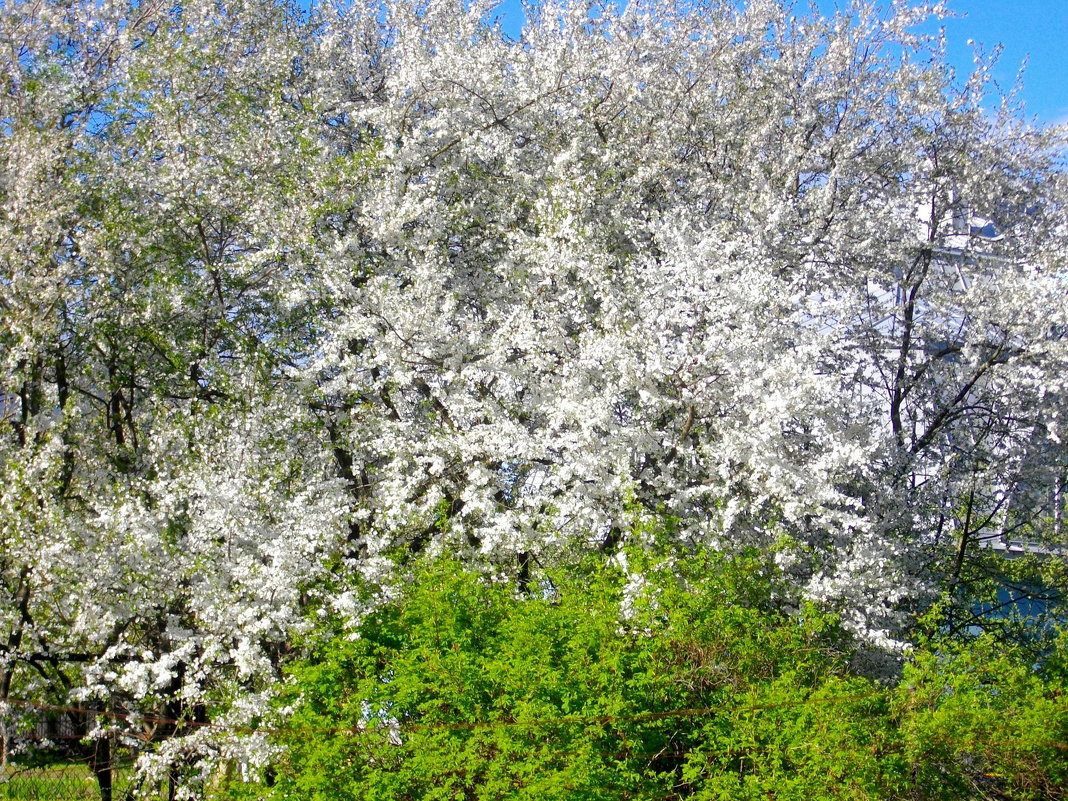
701 688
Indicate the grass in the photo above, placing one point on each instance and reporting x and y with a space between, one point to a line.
70 781
54 783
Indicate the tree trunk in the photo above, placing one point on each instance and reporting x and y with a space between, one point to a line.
101 766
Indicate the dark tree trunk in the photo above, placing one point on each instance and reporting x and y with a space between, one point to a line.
101 765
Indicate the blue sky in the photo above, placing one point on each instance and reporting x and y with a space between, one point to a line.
1036 30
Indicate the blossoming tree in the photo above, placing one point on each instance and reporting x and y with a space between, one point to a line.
286 293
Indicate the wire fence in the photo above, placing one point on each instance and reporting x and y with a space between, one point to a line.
60 783
67 764
67 777
70 779
50 752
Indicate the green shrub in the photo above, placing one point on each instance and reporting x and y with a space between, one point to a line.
701 687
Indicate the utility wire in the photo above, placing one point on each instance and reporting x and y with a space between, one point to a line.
484 724
398 728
